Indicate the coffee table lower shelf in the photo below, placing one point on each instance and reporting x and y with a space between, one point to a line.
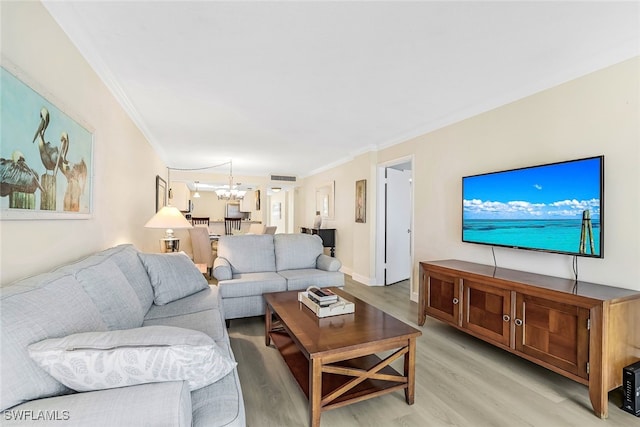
299 367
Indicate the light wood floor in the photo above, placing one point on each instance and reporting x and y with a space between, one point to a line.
460 381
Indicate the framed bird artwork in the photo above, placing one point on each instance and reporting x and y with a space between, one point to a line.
46 156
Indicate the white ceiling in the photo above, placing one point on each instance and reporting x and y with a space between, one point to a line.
295 87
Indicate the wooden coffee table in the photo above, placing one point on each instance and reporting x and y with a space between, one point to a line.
334 359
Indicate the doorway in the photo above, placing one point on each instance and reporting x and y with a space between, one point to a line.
394 240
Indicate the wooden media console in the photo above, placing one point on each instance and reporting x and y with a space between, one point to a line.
584 331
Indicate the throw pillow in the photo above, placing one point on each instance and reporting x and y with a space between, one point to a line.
110 291
101 360
173 276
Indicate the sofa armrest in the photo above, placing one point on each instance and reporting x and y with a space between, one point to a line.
157 404
222 269
327 263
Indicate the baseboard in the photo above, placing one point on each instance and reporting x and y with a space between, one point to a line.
415 296
365 280
346 270
359 278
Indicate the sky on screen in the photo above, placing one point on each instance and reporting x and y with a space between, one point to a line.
558 191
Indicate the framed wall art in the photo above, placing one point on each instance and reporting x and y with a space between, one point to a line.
161 193
46 156
361 201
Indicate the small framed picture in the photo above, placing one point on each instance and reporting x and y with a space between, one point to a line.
361 201
161 193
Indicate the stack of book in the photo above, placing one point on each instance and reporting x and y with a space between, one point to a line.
325 303
322 297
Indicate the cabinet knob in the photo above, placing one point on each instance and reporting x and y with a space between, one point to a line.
506 318
518 322
456 301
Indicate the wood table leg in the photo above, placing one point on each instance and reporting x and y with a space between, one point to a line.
267 325
410 372
422 296
315 391
599 401
598 393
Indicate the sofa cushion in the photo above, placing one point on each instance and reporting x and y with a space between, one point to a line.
248 253
51 305
110 291
200 301
211 322
173 276
248 284
295 251
102 360
303 278
127 260
166 404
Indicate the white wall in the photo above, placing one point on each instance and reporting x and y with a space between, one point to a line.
208 205
125 165
596 114
355 243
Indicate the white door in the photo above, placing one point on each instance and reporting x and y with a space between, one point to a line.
398 226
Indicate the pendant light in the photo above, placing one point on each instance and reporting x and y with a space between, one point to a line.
196 195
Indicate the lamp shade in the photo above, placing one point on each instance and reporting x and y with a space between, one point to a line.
168 217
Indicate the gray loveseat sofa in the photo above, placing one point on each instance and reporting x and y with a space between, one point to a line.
251 265
116 293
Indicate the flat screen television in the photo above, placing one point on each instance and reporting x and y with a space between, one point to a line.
555 207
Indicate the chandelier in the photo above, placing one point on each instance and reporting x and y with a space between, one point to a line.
196 194
230 192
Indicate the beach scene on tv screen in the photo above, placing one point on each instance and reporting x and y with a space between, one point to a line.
538 208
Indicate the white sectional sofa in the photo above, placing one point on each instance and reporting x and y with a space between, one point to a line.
154 303
251 265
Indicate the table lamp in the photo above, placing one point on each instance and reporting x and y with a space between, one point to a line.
169 218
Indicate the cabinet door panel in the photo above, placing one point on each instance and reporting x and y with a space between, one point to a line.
553 332
442 297
484 311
